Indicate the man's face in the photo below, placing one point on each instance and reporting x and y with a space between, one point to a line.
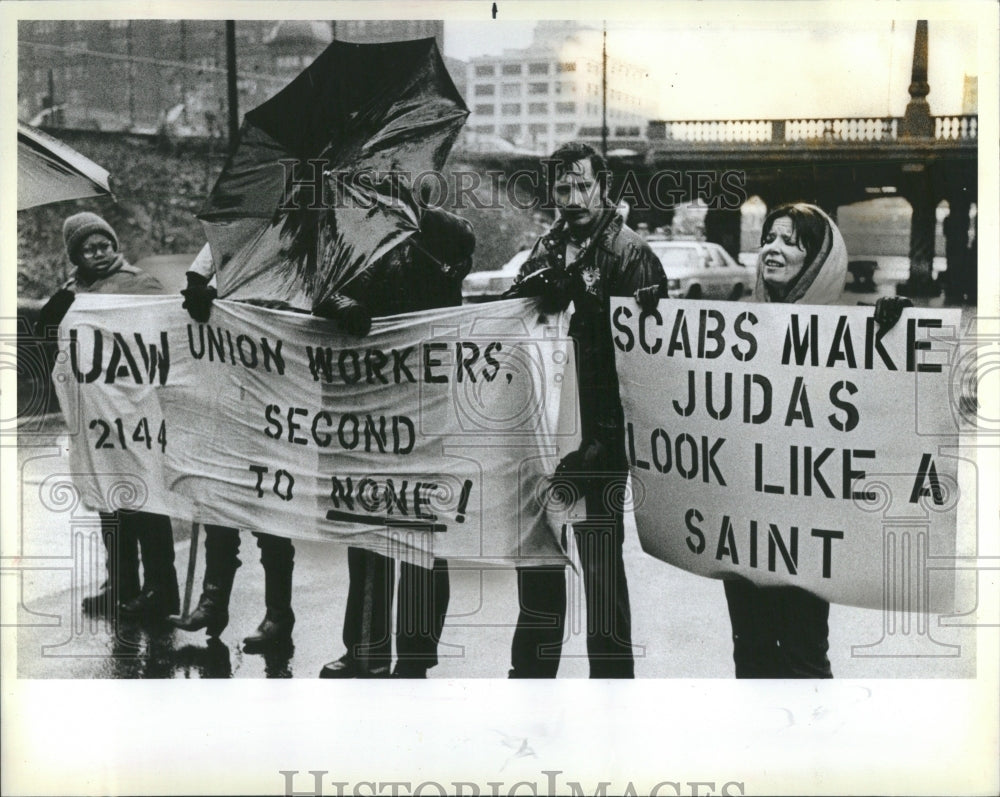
577 194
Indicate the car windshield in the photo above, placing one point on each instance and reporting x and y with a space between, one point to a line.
678 256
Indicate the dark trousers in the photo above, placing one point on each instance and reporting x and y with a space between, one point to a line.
778 632
538 638
423 603
128 533
222 547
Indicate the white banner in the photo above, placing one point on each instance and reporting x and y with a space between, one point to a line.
436 433
789 445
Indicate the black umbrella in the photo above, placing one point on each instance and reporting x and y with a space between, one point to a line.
376 115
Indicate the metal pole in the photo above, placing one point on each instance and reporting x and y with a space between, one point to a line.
131 76
604 92
234 114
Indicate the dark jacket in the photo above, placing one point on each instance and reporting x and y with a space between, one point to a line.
423 272
615 262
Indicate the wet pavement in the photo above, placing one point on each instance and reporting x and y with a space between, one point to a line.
681 625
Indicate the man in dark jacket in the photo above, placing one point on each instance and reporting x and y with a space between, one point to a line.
424 272
587 257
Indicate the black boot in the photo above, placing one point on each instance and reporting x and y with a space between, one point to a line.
212 613
122 583
159 597
275 630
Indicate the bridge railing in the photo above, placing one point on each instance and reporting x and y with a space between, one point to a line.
779 131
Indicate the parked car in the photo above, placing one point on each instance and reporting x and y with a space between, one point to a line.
481 286
702 270
168 269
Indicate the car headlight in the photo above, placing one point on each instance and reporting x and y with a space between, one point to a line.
673 285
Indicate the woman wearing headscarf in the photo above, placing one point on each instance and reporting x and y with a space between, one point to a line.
782 632
100 267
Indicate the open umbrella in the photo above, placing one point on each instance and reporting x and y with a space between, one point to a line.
50 171
375 116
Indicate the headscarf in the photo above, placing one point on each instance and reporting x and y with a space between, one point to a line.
822 280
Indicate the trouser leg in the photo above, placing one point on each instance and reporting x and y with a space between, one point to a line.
803 633
222 545
755 644
122 564
538 636
160 596
420 613
609 616
277 555
367 628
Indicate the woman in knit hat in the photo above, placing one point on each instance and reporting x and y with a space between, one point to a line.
100 267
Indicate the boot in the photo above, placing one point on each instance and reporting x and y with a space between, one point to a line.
159 597
275 630
122 583
212 612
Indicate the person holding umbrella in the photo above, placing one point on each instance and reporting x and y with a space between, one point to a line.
100 267
423 273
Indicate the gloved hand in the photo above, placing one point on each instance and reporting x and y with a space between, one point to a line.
583 464
649 297
198 297
549 285
53 311
352 317
888 309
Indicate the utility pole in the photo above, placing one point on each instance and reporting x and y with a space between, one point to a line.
131 75
604 92
234 114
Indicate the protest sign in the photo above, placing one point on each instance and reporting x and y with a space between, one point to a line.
791 445
436 434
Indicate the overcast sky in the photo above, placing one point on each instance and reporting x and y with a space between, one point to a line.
768 69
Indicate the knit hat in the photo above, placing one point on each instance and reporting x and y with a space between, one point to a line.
78 226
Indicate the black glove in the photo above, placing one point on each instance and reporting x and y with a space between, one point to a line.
198 297
888 309
350 316
549 285
584 464
649 297
53 311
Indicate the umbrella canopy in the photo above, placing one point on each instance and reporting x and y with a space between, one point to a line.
50 171
370 117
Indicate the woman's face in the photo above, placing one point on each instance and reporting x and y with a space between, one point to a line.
781 257
96 252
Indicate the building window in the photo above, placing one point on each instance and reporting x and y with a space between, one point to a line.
485 110
511 89
538 88
511 109
538 69
566 66
485 70
538 129
485 129
485 90
511 131
565 107
565 127
538 107
512 69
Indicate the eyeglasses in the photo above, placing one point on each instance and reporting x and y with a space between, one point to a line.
96 249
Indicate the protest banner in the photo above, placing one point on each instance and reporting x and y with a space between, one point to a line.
791 444
436 434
